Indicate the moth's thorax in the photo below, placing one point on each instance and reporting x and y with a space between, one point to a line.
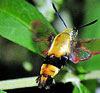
61 44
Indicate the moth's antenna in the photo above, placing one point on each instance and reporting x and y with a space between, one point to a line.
87 24
57 13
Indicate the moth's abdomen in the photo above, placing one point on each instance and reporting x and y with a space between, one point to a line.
46 75
49 69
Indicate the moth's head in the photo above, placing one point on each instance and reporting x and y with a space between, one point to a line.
72 32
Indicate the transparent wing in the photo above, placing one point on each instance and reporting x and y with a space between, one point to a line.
42 37
84 49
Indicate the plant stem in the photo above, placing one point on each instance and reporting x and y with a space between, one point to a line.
31 81
18 83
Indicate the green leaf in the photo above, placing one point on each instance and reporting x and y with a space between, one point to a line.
2 91
92 9
93 86
81 89
65 77
15 19
70 77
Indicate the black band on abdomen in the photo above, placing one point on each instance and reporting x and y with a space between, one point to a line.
58 62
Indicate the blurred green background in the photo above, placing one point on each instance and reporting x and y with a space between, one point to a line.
17 61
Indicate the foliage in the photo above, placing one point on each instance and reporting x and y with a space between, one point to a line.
15 20
91 13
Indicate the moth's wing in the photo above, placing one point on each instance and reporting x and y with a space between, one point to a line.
83 50
42 37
